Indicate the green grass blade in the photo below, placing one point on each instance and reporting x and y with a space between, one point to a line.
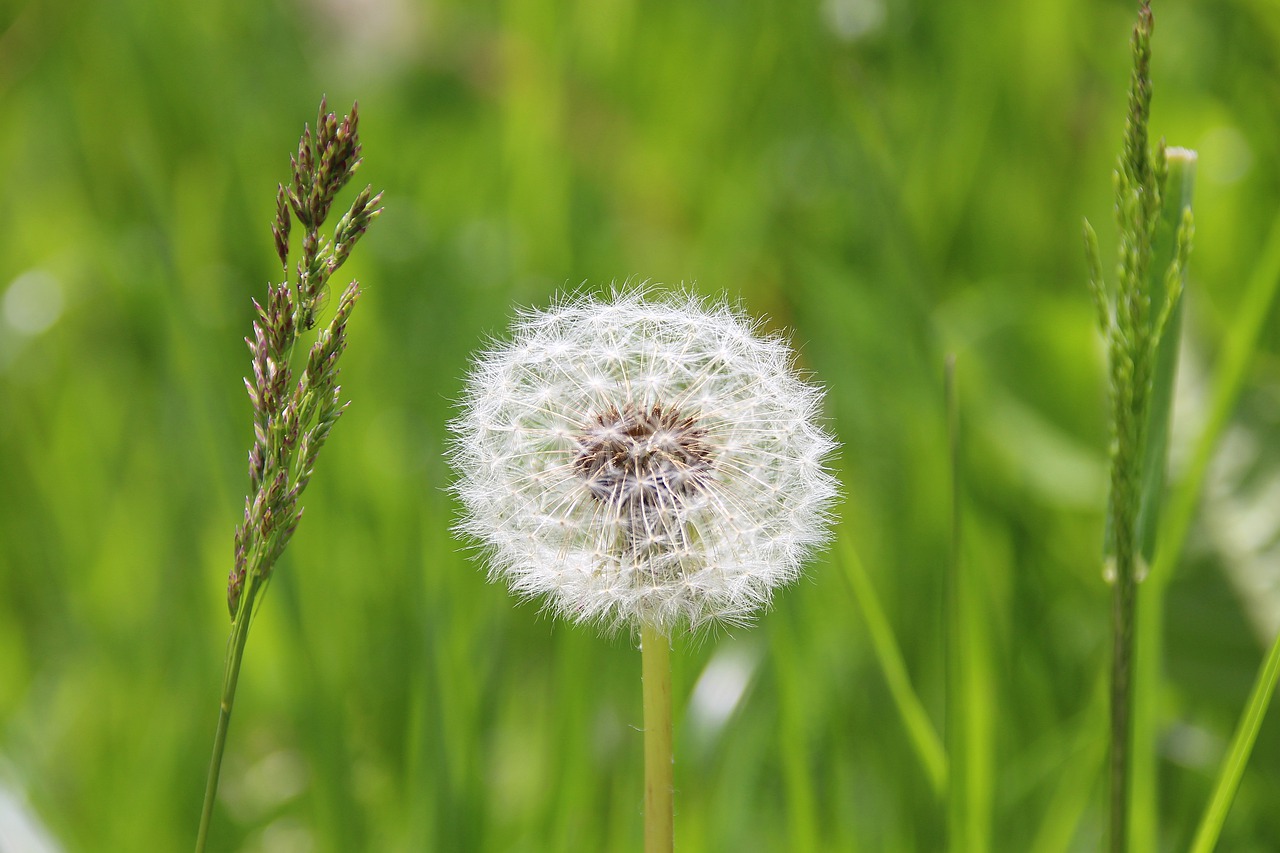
924 737
1224 790
1178 191
970 717
958 711
795 745
1144 800
1240 343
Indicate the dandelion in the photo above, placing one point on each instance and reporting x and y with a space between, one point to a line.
644 461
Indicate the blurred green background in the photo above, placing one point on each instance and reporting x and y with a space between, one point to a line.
890 180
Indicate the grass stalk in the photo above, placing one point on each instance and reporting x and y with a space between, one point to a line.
1140 320
294 411
230 677
659 805
1123 617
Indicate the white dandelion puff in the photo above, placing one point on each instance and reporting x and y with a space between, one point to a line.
642 460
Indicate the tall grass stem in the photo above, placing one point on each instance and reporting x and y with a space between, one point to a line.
1141 320
294 409
230 677
1123 616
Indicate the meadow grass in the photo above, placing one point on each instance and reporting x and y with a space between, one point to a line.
890 195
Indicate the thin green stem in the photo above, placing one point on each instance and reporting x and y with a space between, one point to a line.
1123 617
230 677
954 620
659 814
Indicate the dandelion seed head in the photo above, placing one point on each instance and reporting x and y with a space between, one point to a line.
642 459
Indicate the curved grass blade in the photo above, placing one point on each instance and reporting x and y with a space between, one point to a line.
1224 789
924 737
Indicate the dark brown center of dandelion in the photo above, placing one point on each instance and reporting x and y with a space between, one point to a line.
636 459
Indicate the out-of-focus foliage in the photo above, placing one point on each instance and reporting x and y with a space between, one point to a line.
891 180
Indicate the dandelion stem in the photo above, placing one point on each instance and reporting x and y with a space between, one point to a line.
659 820
230 677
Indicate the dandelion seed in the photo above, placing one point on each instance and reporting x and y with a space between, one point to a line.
643 460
